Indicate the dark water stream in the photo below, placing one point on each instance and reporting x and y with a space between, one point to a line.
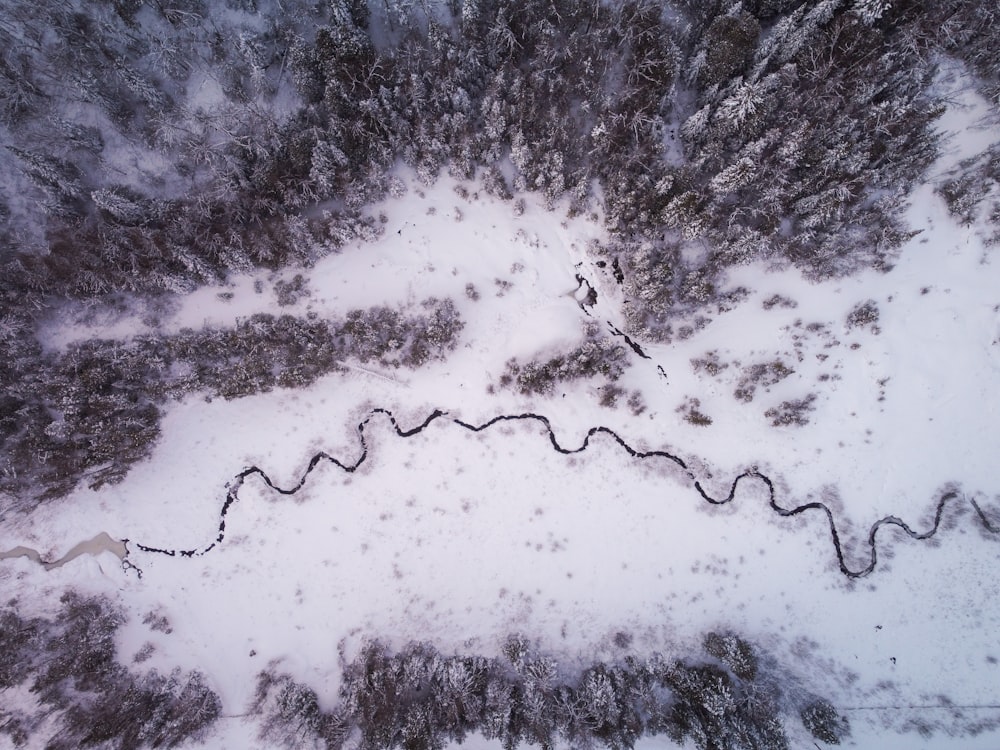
951 499
105 543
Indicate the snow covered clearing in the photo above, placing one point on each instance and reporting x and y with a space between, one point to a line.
461 538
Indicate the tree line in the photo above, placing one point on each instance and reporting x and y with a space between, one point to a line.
726 698
156 146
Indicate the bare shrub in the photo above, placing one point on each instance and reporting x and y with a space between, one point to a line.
711 363
290 292
764 374
792 413
777 300
691 410
595 357
864 314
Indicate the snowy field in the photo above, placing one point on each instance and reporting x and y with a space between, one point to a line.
461 538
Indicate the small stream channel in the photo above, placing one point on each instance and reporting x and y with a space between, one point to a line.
944 501
105 543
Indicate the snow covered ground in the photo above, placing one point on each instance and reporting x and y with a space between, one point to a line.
460 538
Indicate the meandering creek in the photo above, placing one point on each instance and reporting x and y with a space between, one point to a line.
105 543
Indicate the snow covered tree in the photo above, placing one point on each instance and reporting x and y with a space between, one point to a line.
727 45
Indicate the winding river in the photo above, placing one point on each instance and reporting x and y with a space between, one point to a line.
105 543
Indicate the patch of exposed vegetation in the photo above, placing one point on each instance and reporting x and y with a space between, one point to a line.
597 357
777 300
711 364
691 411
864 314
291 292
763 374
792 413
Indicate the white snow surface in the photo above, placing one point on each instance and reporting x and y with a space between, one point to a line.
460 538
